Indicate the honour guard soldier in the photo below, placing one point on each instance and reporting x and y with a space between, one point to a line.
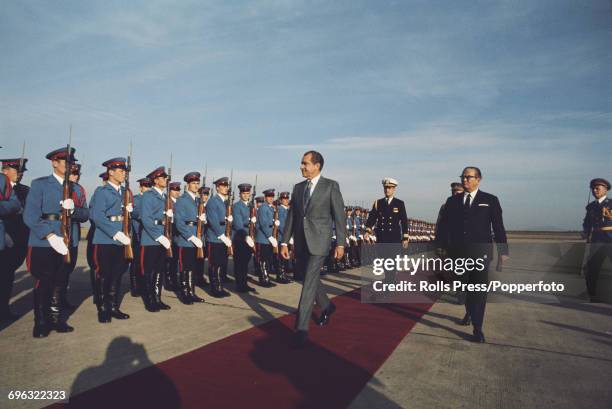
217 241
200 281
153 243
264 239
92 227
171 271
109 241
12 230
187 239
79 197
243 243
144 185
358 233
282 264
259 200
43 215
389 216
346 260
597 229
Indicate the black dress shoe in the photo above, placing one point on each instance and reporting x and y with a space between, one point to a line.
41 331
300 339
120 315
467 320
62 327
104 317
326 314
478 337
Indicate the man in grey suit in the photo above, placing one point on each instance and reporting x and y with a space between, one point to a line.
317 205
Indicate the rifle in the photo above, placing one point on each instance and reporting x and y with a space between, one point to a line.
22 159
228 213
201 211
274 226
168 220
253 213
67 194
128 252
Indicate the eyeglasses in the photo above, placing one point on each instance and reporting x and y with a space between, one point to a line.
468 177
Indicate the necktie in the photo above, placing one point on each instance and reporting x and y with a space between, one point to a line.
307 193
468 201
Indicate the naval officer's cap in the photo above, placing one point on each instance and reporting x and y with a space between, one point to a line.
601 182
389 182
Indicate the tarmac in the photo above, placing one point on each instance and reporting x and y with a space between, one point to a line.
541 351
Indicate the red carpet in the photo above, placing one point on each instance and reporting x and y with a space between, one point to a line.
257 368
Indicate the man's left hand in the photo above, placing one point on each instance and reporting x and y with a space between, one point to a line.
339 253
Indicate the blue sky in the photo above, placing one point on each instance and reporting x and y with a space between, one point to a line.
410 89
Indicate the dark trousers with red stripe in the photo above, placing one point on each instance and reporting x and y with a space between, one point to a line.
187 259
217 261
265 254
110 266
152 261
242 256
68 268
47 267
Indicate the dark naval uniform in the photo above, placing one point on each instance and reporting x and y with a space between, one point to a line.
597 228
10 222
390 220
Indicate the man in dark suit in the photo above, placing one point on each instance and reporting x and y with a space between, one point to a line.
465 232
317 205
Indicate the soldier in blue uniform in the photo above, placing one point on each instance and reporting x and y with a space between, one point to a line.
217 241
153 242
42 215
243 244
79 197
92 229
264 239
358 237
144 185
109 240
12 229
597 229
200 281
347 260
171 270
282 266
187 239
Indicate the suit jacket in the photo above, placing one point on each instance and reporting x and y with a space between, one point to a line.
311 227
462 229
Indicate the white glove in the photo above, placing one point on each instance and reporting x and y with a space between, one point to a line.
373 238
129 208
225 240
169 213
250 241
229 218
67 204
273 241
253 219
8 240
347 227
347 241
360 237
196 242
277 223
163 240
353 237
202 218
58 244
291 240
122 238
334 237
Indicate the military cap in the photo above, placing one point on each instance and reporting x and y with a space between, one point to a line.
204 190
389 182
76 169
259 199
357 208
222 181
192 177
175 186
284 195
244 187
14 163
115 163
600 181
348 209
269 192
61 153
103 175
159 172
146 182
456 185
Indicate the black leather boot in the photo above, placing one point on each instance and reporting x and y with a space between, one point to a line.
281 275
264 277
215 285
134 282
115 300
148 293
190 285
42 326
183 293
57 324
63 299
158 290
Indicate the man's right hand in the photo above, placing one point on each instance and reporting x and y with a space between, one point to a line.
339 253
284 251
